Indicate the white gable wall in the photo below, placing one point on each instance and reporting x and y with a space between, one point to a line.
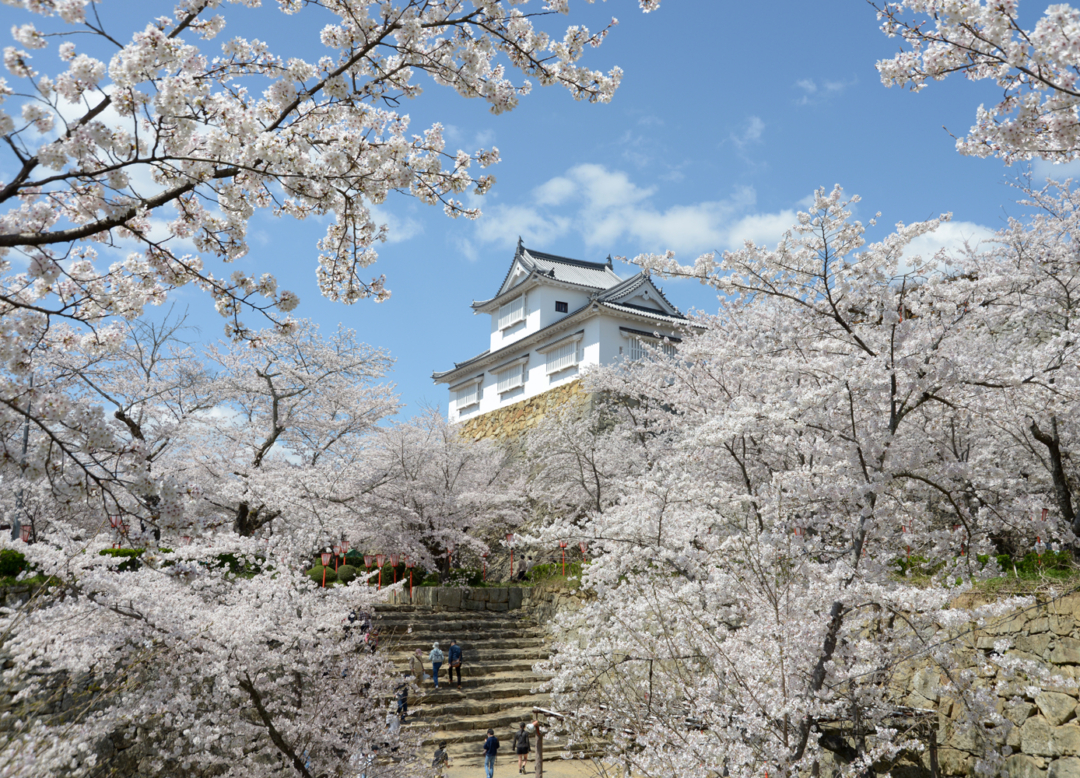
602 342
539 313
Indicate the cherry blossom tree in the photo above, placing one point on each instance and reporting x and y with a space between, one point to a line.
1037 70
429 489
293 403
850 414
184 668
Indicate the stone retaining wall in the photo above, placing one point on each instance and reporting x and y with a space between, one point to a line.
1045 738
510 422
542 603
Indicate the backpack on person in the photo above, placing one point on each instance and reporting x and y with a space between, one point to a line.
437 655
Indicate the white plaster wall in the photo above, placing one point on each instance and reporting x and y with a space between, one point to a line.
602 344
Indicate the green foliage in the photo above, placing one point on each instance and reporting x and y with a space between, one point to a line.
1032 567
12 563
316 574
467 576
553 570
130 555
1049 564
346 573
354 559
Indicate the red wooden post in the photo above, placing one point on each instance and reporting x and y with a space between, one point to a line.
394 558
510 542
483 557
325 556
409 565
562 545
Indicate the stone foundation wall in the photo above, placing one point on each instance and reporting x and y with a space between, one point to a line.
510 422
541 603
1045 738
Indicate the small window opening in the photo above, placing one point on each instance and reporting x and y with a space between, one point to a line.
561 307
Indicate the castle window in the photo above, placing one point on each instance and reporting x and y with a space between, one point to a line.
562 358
511 378
561 307
511 313
639 351
468 396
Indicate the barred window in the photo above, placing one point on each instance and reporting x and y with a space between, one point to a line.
511 378
561 307
511 313
562 358
468 396
638 350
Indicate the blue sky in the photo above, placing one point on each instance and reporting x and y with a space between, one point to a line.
730 114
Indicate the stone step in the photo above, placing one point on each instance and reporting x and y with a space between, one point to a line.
412 641
424 634
507 715
446 713
442 629
472 690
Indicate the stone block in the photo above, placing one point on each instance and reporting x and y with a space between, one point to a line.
1061 625
500 595
1012 740
513 598
1038 624
1034 644
1068 605
1023 766
1012 625
472 605
422 595
1056 708
1019 712
954 762
926 682
450 597
480 595
498 606
987 642
1036 737
1069 767
1065 651
1067 740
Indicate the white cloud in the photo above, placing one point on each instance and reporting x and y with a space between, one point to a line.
504 224
951 236
605 208
1041 169
398 228
751 132
813 92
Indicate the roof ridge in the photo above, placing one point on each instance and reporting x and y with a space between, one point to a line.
536 254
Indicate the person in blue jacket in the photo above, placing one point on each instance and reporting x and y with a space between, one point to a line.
491 748
455 662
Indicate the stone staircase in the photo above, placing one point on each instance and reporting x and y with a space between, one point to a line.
499 648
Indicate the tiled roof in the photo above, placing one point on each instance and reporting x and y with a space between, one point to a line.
642 311
598 275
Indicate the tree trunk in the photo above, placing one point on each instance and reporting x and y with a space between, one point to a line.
1057 472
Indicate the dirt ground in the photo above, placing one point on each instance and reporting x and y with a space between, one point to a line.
506 767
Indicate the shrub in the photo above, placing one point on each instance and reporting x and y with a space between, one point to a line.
346 573
12 563
129 555
316 574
